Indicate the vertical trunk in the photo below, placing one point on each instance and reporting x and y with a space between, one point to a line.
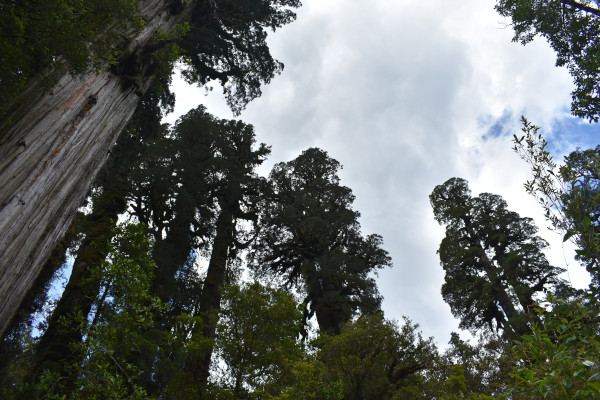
499 290
325 300
210 301
50 150
83 286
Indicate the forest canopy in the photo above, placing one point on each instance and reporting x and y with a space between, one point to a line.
194 275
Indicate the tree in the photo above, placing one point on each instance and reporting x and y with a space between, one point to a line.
471 370
194 190
569 194
55 137
376 359
493 261
559 358
123 310
257 340
97 230
311 235
227 43
236 191
54 140
572 28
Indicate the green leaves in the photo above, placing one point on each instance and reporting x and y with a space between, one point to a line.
559 359
569 194
257 339
571 28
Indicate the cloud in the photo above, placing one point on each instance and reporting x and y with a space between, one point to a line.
406 94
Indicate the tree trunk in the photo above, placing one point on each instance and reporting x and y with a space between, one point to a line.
51 148
325 300
210 302
83 287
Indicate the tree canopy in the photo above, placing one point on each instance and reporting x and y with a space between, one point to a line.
311 235
492 258
227 42
572 28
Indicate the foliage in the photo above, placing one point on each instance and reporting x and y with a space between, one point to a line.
311 235
469 370
376 359
311 382
122 314
227 43
37 34
560 358
572 28
493 260
569 194
257 340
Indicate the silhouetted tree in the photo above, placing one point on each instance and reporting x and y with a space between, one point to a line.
493 260
310 235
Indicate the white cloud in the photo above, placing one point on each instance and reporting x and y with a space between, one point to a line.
402 93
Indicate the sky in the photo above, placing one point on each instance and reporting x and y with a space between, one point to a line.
406 94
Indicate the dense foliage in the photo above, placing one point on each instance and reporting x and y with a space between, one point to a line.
227 43
194 277
492 257
311 235
572 28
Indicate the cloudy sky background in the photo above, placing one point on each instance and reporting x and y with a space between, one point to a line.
406 94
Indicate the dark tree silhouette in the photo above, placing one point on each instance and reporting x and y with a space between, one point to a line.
492 258
310 235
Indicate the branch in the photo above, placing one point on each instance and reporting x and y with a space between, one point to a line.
582 7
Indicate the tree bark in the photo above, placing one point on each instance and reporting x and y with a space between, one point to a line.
51 148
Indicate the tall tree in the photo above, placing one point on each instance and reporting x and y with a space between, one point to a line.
55 137
109 201
493 260
310 235
236 191
572 28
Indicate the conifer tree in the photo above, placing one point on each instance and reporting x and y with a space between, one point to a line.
492 257
311 236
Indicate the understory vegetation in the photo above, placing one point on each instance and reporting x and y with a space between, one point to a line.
191 276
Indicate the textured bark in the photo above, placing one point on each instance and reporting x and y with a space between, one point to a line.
50 151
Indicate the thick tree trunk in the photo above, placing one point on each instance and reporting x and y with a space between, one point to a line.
50 153
325 301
